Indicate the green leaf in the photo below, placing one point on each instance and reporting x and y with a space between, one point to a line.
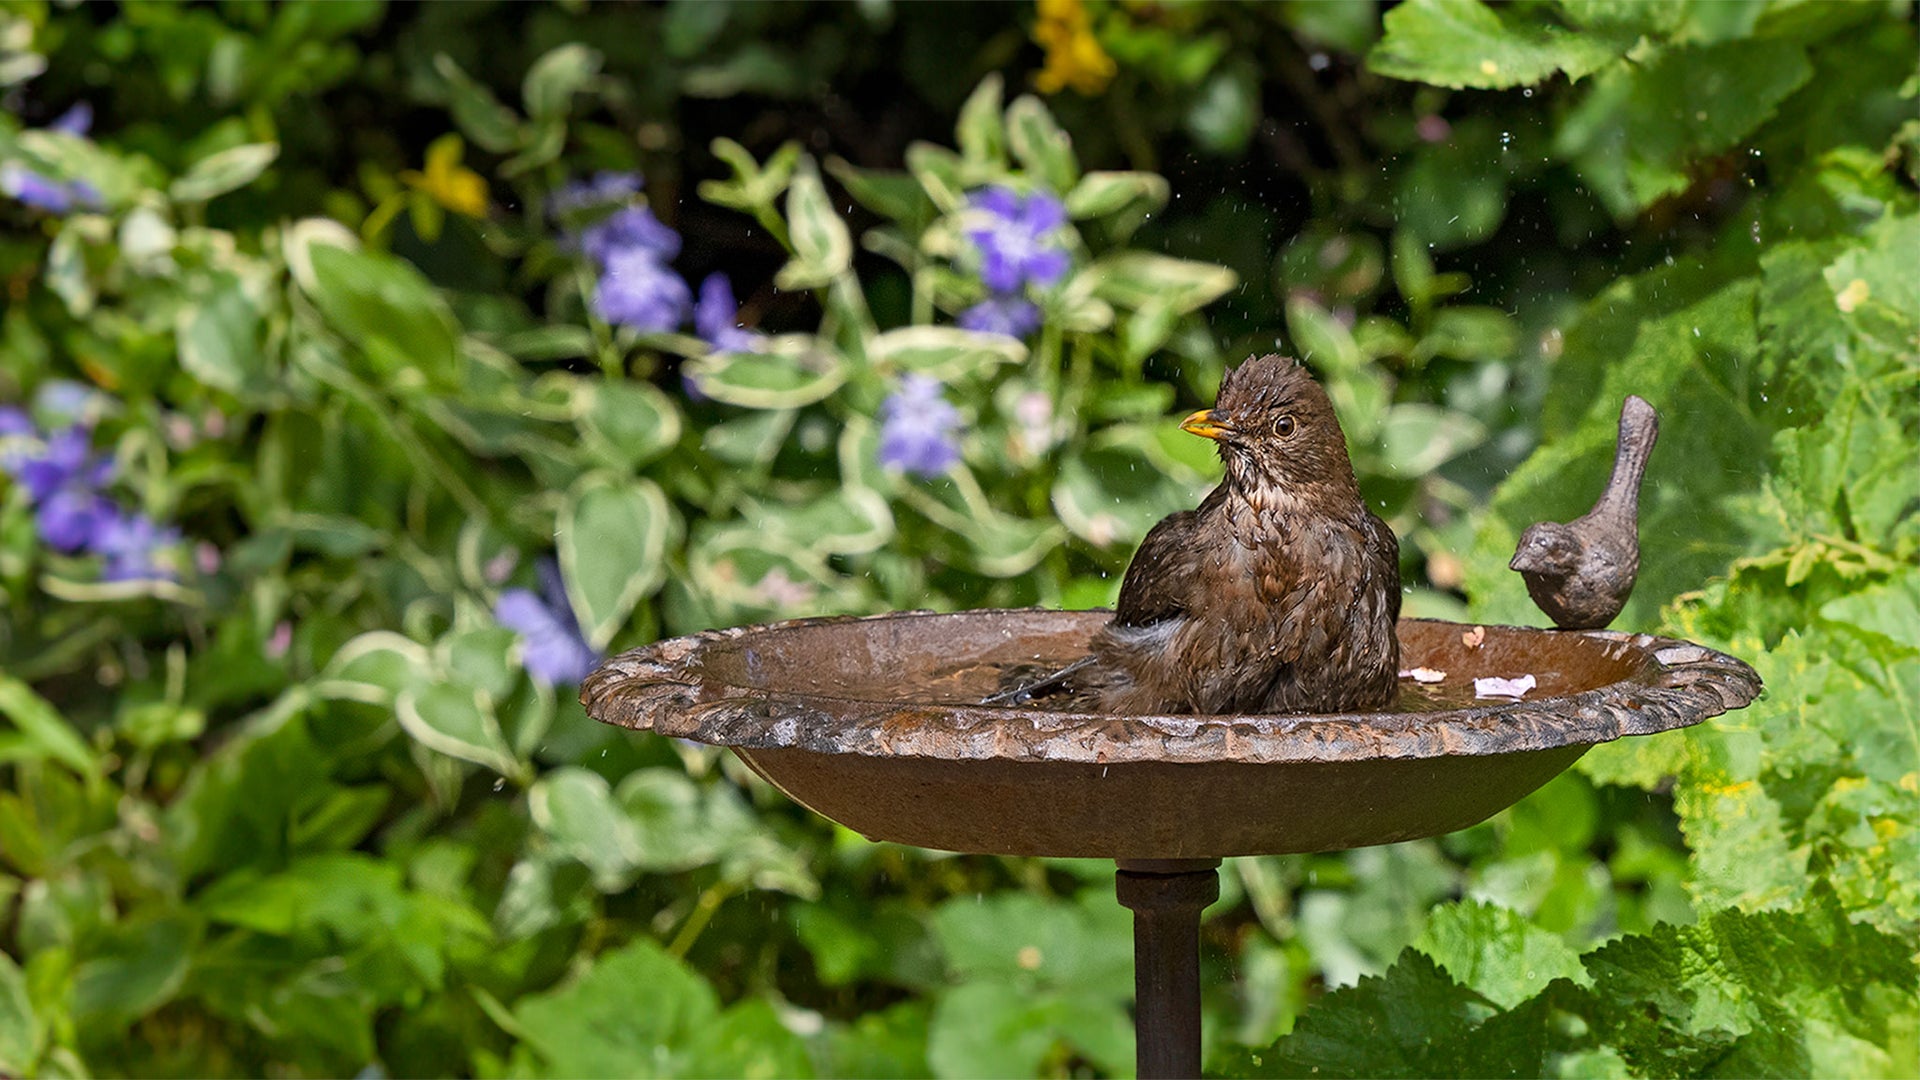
481 118
20 1028
223 171
896 196
1642 126
576 810
455 721
141 968
1083 945
40 731
1101 193
945 352
848 521
791 371
633 1013
384 306
612 540
1139 279
749 1041
554 78
1042 147
1416 438
1497 952
993 1029
978 131
1413 1021
220 340
822 247
374 667
1223 116
633 421
1111 494
1467 44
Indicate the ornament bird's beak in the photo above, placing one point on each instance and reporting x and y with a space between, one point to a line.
1206 425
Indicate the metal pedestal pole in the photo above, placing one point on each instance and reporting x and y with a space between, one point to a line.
1167 896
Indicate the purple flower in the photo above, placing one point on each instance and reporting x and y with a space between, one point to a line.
918 429
599 189
42 193
555 652
76 121
631 228
130 542
716 318
73 518
17 433
65 461
1017 244
637 289
1007 314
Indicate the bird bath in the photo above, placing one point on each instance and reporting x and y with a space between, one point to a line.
875 723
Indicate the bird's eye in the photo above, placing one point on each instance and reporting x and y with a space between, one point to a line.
1283 427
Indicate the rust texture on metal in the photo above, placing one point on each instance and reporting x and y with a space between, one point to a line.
873 723
905 685
1166 905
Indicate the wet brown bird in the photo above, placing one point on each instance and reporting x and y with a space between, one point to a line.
1582 572
1278 594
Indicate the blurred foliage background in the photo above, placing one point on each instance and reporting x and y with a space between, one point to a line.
367 372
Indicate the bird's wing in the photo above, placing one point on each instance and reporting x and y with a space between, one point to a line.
1155 587
1383 551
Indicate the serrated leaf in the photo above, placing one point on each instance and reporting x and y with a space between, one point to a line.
224 171
1642 126
612 541
1497 952
1468 44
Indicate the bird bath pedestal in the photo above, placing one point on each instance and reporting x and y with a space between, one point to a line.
874 723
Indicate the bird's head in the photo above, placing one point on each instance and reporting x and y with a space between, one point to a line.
1547 547
1275 426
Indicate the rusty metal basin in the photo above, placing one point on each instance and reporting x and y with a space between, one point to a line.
874 723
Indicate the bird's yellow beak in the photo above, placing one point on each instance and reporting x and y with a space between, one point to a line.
1205 425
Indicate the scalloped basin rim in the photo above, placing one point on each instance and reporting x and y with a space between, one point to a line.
872 686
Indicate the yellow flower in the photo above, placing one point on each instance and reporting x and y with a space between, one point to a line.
1074 55
448 182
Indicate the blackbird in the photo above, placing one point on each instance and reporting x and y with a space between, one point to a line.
1582 572
1278 594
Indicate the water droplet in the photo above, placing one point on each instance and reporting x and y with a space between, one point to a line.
499 784
1527 92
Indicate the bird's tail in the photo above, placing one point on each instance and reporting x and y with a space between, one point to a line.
1019 685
